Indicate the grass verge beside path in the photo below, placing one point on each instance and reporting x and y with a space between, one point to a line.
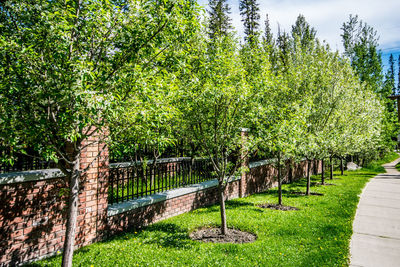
316 235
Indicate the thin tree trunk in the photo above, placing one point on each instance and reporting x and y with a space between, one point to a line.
72 215
341 166
322 172
331 165
308 177
279 180
224 227
290 171
315 167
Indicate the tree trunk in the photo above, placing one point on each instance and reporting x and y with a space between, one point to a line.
224 227
341 166
315 167
290 174
72 215
279 180
331 165
322 172
308 177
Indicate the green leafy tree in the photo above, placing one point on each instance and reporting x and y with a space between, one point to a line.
219 20
67 69
215 101
302 30
360 43
249 10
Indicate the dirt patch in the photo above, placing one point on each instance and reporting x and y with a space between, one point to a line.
276 207
213 235
304 194
324 184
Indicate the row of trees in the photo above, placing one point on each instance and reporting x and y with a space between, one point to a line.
156 72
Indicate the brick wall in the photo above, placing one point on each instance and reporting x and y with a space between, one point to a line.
169 208
32 214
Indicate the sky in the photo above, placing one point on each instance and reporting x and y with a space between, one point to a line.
327 17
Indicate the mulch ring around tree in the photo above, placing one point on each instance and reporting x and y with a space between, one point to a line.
276 207
323 184
304 194
213 235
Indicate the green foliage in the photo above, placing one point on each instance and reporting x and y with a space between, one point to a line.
376 165
219 21
249 10
302 30
360 42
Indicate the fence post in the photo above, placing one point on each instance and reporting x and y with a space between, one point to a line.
244 132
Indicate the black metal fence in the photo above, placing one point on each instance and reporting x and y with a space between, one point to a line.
135 180
26 163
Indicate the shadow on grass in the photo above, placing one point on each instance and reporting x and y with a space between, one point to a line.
168 235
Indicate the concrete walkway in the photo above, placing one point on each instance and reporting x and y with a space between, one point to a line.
376 227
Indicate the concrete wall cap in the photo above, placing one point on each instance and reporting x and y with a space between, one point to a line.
29 176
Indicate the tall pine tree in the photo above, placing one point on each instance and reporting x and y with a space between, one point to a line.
219 20
268 36
398 76
249 10
390 74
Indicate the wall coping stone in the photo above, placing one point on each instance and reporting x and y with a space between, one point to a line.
256 164
159 197
29 176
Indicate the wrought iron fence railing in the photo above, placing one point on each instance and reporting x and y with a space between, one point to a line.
137 179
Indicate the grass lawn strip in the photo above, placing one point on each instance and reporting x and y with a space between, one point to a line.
318 234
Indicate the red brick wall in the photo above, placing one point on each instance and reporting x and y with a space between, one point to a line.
166 209
32 214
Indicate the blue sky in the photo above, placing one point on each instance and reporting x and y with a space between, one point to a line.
327 17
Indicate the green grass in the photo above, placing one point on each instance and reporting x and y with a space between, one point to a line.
316 235
377 165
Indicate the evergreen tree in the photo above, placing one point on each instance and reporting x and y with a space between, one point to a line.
249 10
390 74
219 20
268 36
398 76
283 45
302 30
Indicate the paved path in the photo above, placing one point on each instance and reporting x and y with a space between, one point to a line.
376 227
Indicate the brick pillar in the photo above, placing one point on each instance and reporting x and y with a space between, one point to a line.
245 162
94 188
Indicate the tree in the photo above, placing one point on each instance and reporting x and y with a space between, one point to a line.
67 69
249 10
219 20
390 81
215 101
302 30
268 36
398 76
360 43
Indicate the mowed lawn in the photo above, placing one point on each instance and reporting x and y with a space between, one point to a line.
316 235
